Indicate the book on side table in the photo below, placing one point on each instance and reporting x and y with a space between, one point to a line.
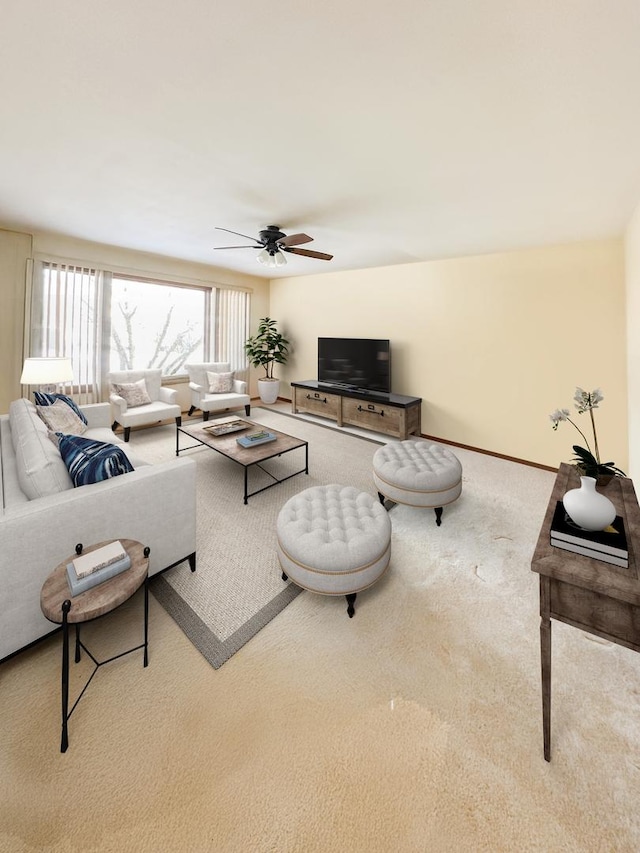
608 545
95 567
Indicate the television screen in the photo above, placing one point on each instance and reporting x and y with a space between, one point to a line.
360 363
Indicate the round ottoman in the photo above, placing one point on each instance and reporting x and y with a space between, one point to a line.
417 473
334 539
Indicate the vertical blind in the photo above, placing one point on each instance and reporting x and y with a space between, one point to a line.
66 320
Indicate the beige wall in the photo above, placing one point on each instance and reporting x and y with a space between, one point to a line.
493 344
16 248
632 257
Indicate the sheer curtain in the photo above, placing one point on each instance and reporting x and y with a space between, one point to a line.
67 320
232 310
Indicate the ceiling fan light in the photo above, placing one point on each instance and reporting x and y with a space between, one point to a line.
265 258
280 259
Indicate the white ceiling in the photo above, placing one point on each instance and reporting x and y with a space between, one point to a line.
390 132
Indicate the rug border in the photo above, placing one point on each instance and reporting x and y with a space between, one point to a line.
216 651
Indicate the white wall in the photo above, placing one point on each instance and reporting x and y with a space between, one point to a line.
493 343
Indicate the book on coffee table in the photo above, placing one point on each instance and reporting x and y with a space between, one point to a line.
255 438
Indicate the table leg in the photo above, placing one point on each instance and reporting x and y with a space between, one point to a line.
77 657
66 607
246 481
545 658
306 458
146 621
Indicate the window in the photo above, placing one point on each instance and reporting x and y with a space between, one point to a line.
157 325
110 321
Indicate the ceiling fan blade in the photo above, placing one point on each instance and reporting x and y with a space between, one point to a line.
308 253
295 240
237 233
238 247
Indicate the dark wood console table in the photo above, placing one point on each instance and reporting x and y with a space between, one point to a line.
392 414
596 597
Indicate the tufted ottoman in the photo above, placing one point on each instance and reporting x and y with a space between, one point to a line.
418 474
334 539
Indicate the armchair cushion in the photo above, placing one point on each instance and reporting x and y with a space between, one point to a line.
43 399
90 461
220 383
133 393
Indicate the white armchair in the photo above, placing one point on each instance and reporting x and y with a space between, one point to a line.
132 407
203 398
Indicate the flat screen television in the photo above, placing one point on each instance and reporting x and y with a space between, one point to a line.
356 363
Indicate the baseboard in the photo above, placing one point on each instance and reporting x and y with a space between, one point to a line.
468 447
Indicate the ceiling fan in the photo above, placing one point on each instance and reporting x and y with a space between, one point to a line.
273 243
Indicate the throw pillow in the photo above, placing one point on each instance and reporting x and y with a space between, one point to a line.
133 393
220 383
61 418
90 461
43 399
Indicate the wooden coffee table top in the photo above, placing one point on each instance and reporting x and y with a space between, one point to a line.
100 599
228 446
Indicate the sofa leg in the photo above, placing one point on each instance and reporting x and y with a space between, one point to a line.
179 420
115 424
205 416
127 433
247 410
191 411
192 561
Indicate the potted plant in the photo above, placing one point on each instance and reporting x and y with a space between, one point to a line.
264 349
587 462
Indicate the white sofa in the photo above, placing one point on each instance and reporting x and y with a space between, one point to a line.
203 399
43 516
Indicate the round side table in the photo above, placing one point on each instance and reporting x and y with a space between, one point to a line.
59 606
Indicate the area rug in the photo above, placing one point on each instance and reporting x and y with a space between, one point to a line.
238 587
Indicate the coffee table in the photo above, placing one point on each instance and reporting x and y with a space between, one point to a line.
245 456
60 607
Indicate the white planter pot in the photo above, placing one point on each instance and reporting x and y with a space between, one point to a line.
268 389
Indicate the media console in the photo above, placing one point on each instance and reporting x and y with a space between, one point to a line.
391 414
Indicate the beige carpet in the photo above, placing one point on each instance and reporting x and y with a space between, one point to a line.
414 726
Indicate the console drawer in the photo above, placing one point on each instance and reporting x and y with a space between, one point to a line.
317 403
376 416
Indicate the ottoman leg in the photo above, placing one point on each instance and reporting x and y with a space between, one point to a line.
381 498
351 600
284 577
438 512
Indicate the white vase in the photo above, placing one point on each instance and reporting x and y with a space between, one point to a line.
268 389
588 508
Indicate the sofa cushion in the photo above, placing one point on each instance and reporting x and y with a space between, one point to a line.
220 383
61 418
43 399
133 393
39 466
90 461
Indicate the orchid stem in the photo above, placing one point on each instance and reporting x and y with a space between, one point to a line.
585 437
595 437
